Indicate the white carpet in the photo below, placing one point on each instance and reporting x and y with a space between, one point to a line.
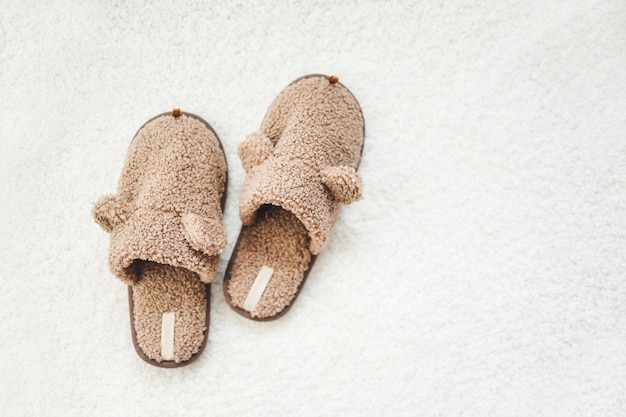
482 275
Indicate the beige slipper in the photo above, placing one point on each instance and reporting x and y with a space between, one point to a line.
300 168
166 234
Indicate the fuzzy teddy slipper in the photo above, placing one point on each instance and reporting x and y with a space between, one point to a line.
300 168
166 234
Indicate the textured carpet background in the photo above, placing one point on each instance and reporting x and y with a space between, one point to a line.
482 275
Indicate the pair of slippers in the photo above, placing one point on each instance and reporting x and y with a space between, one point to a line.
166 219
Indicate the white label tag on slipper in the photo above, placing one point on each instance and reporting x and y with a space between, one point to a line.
258 286
167 336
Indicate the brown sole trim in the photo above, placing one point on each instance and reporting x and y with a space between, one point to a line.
284 311
207 287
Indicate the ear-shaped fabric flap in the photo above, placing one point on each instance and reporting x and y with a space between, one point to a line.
344 183
110 211
204 234
255 149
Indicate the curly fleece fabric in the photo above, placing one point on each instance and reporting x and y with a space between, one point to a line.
482 274
168 207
